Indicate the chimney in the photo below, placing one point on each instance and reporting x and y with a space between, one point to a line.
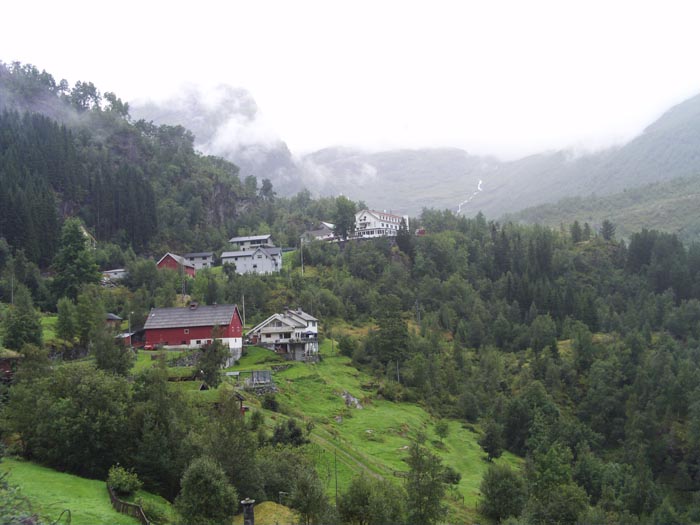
194 305
248 511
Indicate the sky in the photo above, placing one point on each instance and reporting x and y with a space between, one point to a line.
506 78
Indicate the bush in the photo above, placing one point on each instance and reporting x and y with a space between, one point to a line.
206 497
123 482
270 402
257 419
289 433
155 513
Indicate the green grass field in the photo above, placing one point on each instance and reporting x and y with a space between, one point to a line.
48 327
374 439
50 492
345 439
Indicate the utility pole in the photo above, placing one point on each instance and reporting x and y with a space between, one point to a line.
335 461
301 249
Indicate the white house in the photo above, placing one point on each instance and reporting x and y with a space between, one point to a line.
293 333
252 242
257 260
371 223
114 275
200 260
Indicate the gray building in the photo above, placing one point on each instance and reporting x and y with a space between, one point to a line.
258 260
251 242
200 259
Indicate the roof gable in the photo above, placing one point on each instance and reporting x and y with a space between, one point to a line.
177 258
291 318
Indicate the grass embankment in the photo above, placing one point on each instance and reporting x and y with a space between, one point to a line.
50 492
270 513
48 327
348 440
374 439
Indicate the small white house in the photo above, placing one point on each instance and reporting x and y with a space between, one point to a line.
258 260
372 223
114 275
252 242
200 260
293 333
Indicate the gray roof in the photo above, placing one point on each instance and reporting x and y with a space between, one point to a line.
250 238
113 317
208 315
200 254
270 252
302 314
289 317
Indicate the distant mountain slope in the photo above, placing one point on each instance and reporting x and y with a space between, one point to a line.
403 180
228 123
411 179
671 206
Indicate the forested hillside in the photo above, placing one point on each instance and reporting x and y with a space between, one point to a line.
575 350
74 152
670 206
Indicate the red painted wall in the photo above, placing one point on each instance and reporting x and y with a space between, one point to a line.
171 263
176 336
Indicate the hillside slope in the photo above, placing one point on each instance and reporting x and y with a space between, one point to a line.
671 206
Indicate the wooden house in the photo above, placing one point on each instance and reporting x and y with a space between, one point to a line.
177 263
195 326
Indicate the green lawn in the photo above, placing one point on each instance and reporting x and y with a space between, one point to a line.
50 492
375 438
348 440
288 259
48 326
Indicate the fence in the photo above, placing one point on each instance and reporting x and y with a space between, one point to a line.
130 509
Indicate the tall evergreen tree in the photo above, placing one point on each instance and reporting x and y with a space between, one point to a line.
22 323
74 263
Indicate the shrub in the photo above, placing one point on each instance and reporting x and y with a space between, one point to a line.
270 402
257 419
289 433
155 513
123 482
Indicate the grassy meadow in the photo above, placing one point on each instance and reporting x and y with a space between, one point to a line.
346 440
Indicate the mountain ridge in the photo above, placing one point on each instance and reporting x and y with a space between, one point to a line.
409 179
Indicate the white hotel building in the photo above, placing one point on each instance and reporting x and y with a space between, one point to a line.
371 223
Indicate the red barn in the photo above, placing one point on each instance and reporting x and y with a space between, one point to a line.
176 262
193 326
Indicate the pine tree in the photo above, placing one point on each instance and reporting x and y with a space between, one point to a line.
22 323
74 263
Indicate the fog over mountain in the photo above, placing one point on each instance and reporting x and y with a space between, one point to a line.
228 123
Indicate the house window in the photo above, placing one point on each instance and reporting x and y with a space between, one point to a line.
187 330
199 341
